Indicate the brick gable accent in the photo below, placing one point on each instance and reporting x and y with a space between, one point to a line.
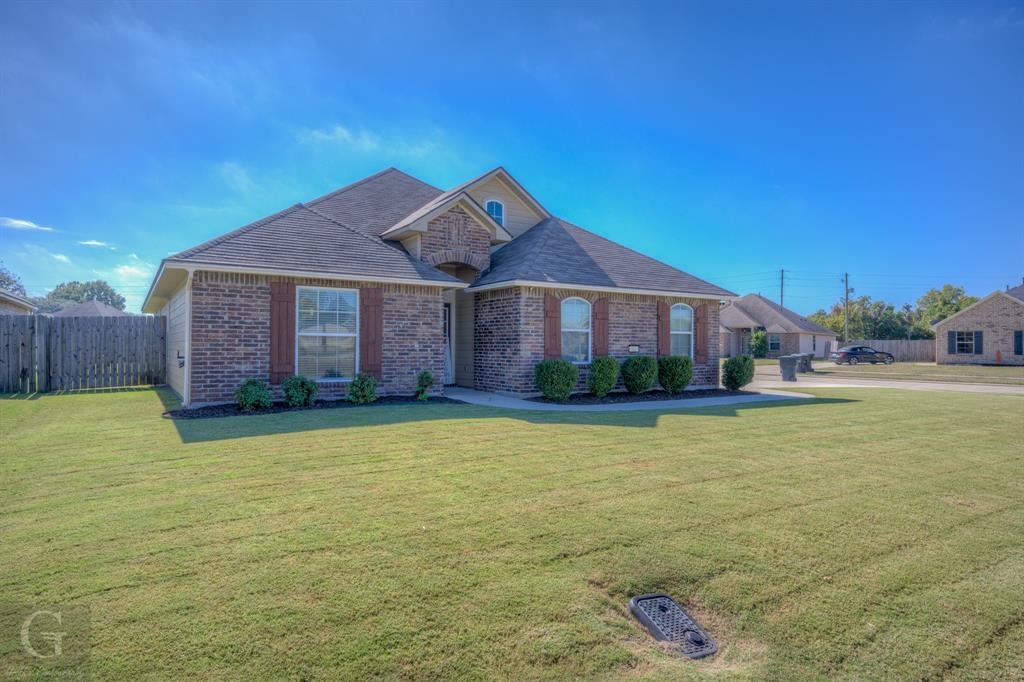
455 237
997 318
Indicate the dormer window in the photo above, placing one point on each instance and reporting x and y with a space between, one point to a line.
496 210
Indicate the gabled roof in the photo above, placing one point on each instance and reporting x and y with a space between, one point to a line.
1015 294
418 219
16 299
753 311
91 308
557 252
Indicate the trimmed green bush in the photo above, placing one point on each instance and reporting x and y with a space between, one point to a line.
363 389
252 395
423 383
737 372
675 372
556 378
639 373
604 372
759 344
299 391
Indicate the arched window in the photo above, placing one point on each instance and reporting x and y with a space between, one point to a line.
496 210
681 329
576 330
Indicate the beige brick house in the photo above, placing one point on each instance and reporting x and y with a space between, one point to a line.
788 331
989 332
390 276
14 304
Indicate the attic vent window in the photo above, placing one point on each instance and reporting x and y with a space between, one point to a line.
496 210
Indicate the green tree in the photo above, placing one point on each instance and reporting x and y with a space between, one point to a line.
758 343
67 294
10 281
938 304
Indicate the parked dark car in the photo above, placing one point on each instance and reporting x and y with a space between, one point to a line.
854 355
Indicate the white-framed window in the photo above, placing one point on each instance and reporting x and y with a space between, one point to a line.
965 343
327 333
774 342
576 330
496 210
681 330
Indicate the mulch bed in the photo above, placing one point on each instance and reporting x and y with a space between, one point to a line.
232 410
622 397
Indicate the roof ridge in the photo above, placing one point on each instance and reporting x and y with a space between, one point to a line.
357 183
233 233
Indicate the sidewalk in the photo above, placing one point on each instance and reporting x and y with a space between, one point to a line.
474 397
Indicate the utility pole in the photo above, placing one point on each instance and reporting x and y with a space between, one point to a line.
782 288
846 307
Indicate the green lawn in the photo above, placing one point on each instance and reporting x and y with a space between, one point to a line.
864 534
912 371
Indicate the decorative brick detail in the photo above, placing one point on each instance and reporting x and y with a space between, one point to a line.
997 319
455 237
231 334
510 335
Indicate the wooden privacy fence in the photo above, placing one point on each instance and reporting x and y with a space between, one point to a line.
40 354
904 350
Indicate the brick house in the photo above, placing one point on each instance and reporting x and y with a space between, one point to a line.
989 332
788 332
14 304
390 276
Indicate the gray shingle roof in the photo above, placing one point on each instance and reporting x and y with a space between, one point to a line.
1017 292
558 252
335 234
91 308
768 314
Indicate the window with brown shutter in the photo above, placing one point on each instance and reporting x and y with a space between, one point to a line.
282 331
371 330
552 327
600 327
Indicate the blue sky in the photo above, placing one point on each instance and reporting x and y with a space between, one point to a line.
730 140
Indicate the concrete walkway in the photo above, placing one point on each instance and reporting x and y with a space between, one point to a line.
474 397
766 377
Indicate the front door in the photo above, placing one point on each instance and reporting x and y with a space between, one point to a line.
449 366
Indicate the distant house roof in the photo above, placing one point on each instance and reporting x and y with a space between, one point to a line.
753 310
1017 292
90 309
18 300
557 252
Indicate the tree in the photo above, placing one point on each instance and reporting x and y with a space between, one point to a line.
10 281
938 304
758 343
68 294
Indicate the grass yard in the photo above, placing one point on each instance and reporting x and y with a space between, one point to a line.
865 534
913 371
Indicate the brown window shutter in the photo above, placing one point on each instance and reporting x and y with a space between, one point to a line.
282 331
700 340
371 330
552 327
664 340
600 327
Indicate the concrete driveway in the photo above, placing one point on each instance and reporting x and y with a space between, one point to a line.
767 377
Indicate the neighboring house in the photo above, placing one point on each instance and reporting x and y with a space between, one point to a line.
787 331
14 304
989 332
91 308
390 276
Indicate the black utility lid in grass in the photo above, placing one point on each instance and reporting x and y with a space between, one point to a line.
623 397
232 410
668 622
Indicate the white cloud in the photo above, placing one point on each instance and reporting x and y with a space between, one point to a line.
237 177
367 141
18 224
60 257
98 244
131 271
135 269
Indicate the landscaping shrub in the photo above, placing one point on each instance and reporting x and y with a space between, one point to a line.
253 394
363 389
738 372
299 391
556 378
675 372
604 372
423 383
639 373
759 344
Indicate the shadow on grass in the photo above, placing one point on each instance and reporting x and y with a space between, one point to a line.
248 426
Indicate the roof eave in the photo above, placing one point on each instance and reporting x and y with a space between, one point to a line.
593 287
